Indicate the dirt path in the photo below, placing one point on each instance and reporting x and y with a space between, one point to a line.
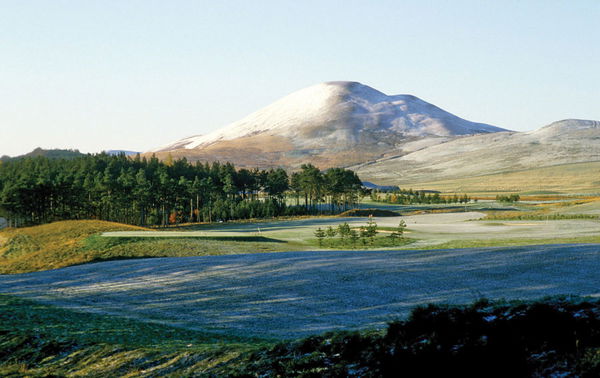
291 294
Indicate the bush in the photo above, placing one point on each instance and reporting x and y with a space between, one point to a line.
508 199
554 337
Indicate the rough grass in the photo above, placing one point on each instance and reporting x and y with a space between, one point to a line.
41 340
67 243
482 243
540 216
555 337
551 337
565 178
50 246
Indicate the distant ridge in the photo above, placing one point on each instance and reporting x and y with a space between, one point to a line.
119 152
564 142
51 154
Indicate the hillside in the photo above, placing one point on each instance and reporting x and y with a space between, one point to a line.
51 154
562 178
329 124
51 245
560 143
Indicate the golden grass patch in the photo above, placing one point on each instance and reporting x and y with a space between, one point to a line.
564 178
52 245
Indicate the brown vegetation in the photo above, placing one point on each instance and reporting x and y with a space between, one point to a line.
50 246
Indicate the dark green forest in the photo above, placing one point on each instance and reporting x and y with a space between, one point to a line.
142 191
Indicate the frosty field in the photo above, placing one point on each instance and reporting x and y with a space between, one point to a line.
285 295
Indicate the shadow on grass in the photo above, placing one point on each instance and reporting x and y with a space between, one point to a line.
23 314
291 294
98 242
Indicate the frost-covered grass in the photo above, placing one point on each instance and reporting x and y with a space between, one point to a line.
293 294
556 337
40 340
552 337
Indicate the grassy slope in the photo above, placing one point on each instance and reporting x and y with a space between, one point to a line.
483 339
38 340
66 243
51 245
566 178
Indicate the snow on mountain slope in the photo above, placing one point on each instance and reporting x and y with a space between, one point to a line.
569 127
341 115
562 142
178 144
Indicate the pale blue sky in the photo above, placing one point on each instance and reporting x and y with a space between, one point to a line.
134 75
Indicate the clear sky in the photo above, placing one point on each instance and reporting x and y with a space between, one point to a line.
121 74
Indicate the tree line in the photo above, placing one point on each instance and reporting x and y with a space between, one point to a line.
152 192
410 197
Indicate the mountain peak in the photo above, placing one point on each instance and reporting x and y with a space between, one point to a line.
336 117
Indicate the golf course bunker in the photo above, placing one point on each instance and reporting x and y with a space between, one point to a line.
291 294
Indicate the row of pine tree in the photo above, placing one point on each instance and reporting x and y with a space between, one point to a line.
151 192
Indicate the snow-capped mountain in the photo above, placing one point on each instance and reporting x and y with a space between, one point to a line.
333 123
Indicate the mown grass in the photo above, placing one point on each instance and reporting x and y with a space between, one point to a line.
40 340
67 243
107 248
377 243
482 243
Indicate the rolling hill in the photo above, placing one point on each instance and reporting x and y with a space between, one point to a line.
558 144
50 154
